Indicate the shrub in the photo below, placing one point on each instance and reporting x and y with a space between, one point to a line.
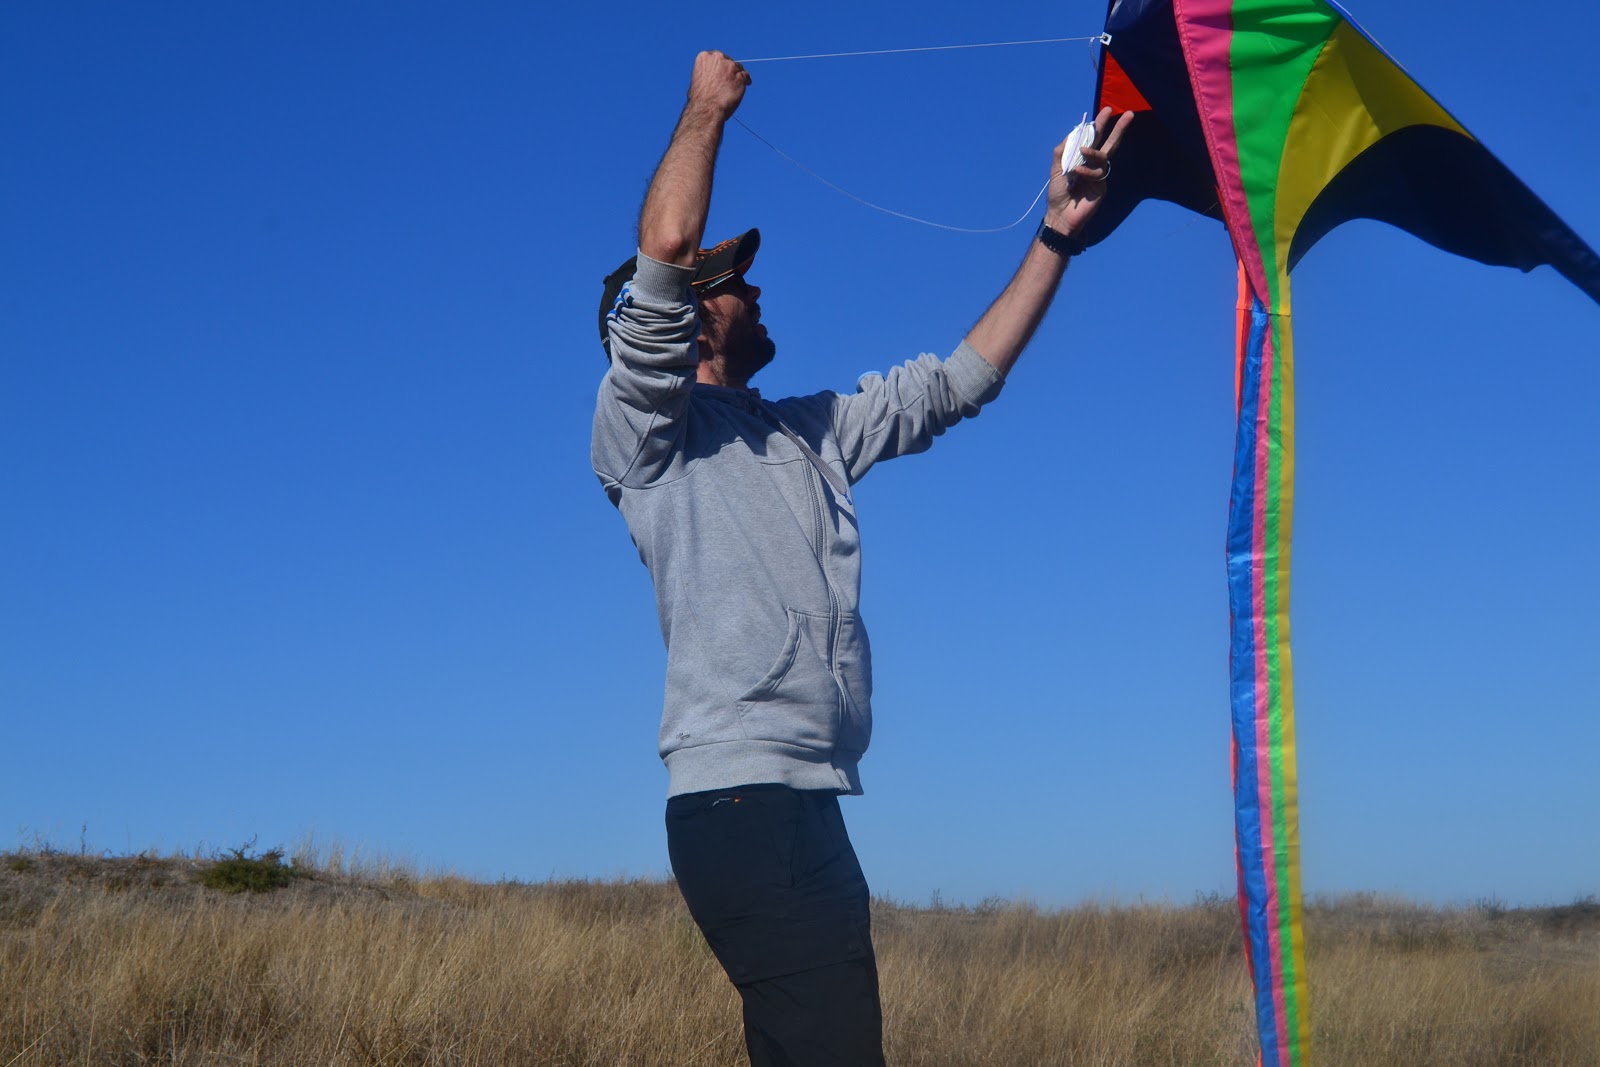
241 872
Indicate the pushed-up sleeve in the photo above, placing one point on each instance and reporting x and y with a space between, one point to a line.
639 414
900 413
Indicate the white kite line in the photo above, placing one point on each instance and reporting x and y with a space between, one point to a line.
1101 37
930 48
890 211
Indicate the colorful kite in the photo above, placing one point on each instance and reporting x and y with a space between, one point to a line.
1282 119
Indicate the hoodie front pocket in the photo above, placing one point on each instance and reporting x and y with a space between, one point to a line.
797 702
853 661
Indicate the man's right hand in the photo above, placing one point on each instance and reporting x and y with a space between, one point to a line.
718 84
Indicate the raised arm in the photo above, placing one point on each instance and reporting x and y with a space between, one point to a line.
673 218
1005 329
650 325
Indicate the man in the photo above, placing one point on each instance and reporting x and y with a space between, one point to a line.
740 508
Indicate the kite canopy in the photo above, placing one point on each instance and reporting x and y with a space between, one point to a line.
1282 119
1285 119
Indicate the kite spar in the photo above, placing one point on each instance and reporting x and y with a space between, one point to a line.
1282 119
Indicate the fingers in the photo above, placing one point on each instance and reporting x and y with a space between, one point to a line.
1108 134
1096 158
1108 144
1096 166
716 62
1092 169
1109 129
1102 125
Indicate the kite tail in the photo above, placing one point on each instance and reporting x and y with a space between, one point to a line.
1266 816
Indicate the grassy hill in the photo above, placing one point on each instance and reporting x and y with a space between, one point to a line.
246 958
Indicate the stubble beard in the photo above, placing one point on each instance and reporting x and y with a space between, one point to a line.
742 344
754 351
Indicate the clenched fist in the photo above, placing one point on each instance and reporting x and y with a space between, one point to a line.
718 83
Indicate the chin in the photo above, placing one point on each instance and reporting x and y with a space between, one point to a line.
758 354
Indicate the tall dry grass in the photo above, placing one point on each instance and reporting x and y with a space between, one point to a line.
131 961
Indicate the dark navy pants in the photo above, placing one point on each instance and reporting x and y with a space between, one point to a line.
770 876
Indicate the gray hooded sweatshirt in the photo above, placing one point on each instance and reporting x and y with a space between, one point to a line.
740 508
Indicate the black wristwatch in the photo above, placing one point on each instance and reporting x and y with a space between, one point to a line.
1065 245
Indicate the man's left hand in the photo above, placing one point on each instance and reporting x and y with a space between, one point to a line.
1075 196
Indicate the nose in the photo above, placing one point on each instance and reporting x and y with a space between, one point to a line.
754 290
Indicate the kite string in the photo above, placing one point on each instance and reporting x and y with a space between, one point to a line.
889 211
1102 38
930 48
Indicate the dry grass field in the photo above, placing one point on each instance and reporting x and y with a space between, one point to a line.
132 960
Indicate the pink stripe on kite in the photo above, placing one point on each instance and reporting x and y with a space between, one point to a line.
1205 30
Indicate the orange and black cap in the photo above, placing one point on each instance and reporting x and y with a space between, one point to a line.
733 256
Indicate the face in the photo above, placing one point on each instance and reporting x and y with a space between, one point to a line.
731 328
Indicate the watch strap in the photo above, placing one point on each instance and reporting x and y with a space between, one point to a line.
1065 245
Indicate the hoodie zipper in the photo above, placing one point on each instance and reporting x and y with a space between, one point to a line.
818 473
819 546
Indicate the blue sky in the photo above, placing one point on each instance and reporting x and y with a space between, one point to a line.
297 362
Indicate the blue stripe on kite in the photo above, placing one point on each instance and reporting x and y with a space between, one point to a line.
1248 815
